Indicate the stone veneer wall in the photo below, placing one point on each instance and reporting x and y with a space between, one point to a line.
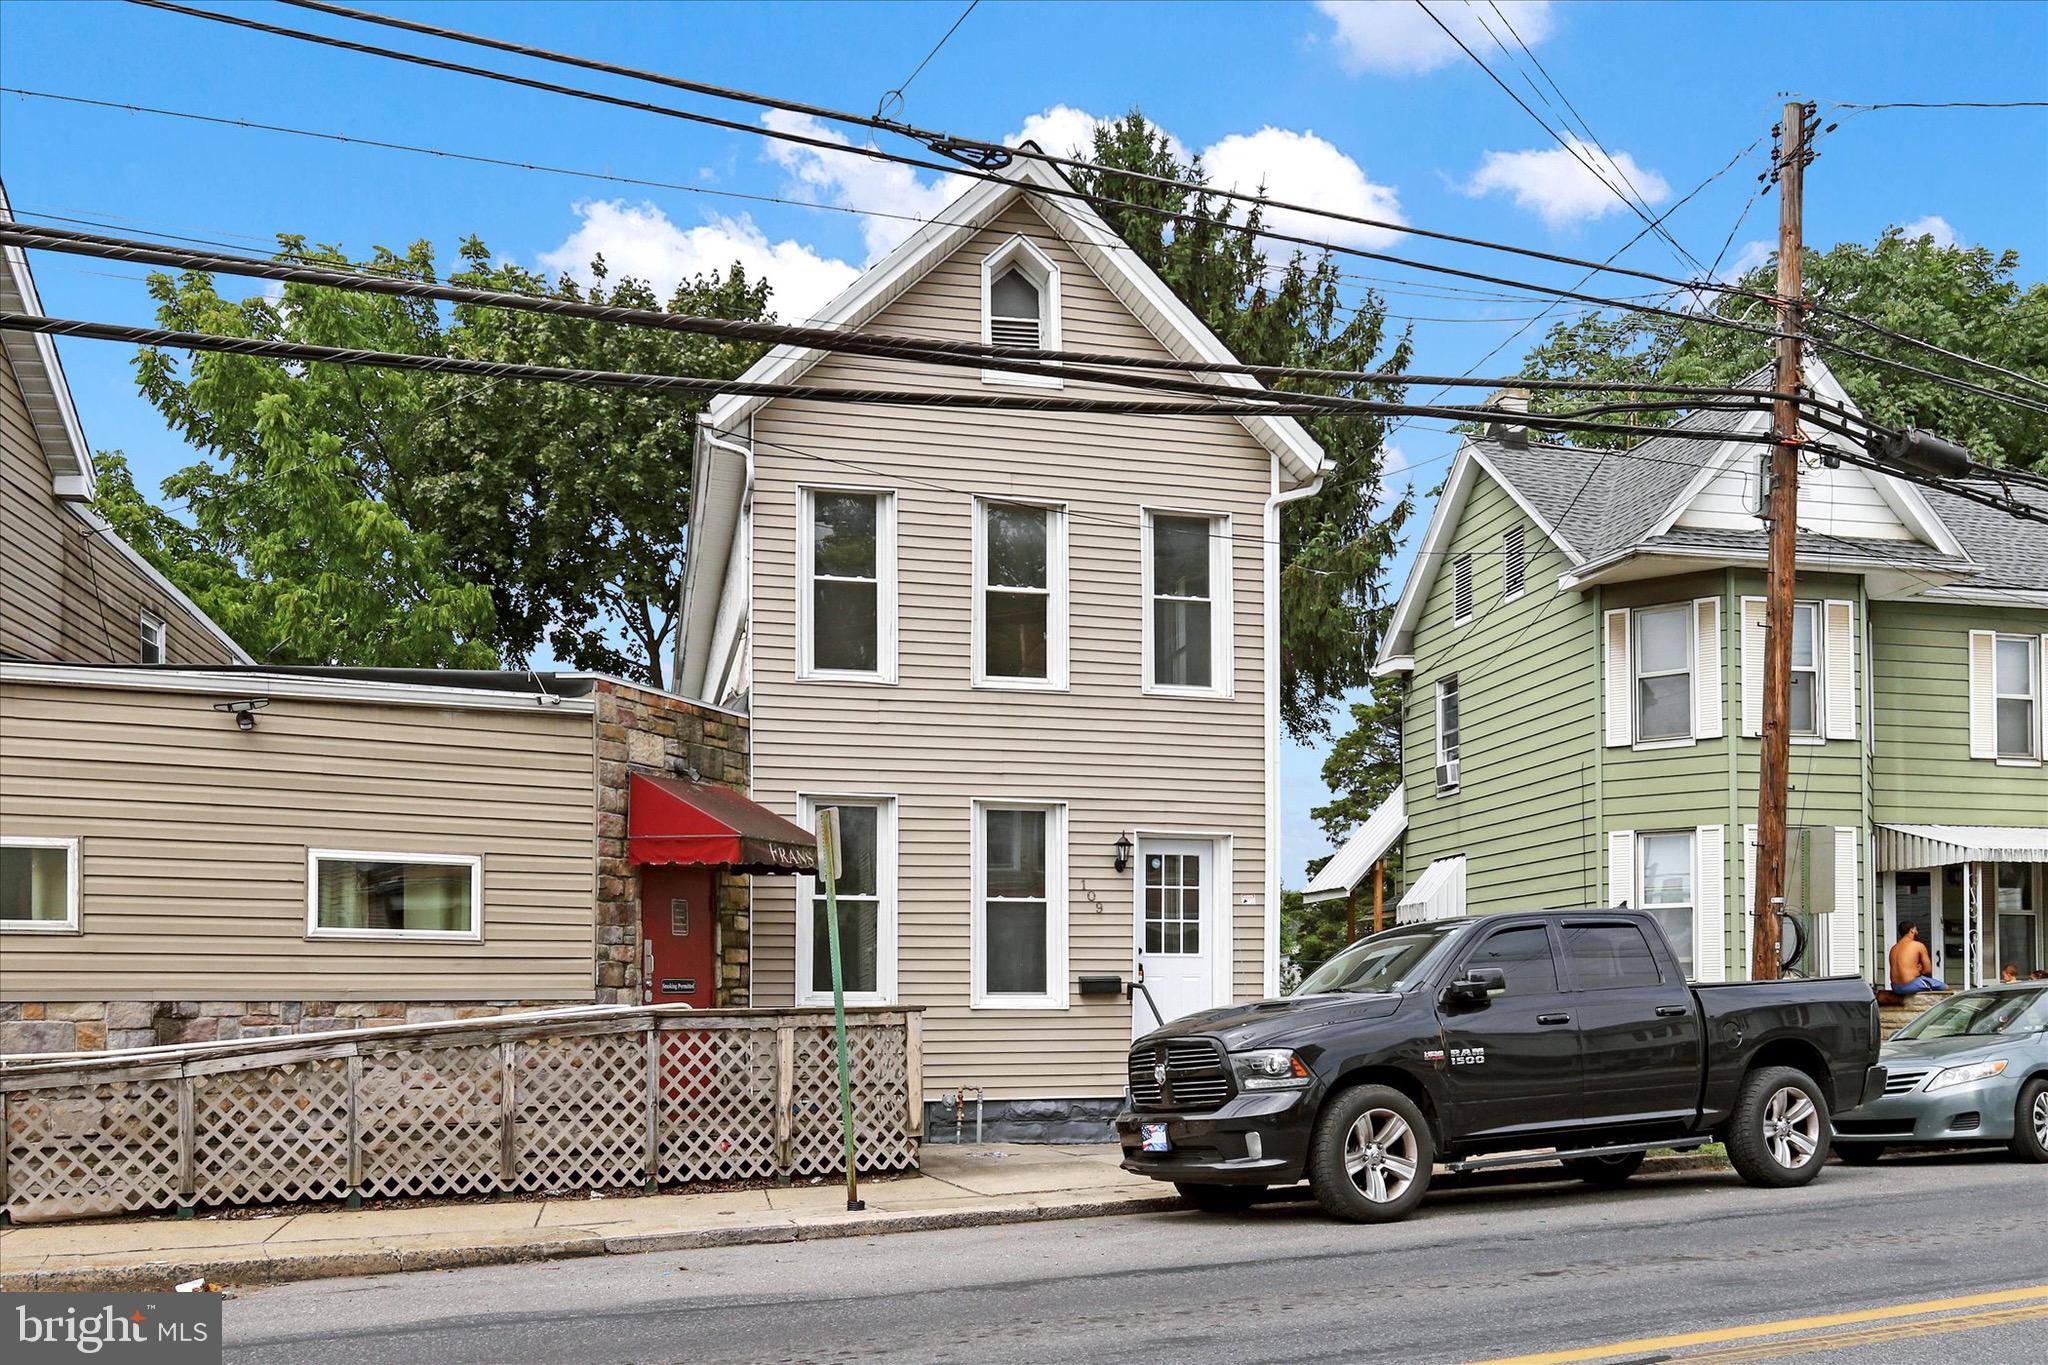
93 1025
639 729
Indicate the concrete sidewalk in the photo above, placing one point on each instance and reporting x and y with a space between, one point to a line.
958 1187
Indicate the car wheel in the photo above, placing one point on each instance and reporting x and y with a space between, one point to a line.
1859 1153
1778 1134
1219 1198
1604 1171
1371 1156
2030 1121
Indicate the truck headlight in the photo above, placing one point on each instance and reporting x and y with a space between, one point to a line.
1271 1068
1967 1075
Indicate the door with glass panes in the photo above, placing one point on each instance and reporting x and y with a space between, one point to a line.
1175 921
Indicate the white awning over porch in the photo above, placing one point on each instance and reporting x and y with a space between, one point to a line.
1439 893
1904 847
1367 845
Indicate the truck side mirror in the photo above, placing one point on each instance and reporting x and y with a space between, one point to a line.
1475 988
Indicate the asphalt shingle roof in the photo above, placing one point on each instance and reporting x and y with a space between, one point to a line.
2009 552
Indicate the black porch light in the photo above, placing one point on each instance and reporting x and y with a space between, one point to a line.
1123 852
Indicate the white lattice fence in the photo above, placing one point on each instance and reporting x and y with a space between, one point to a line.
574 1100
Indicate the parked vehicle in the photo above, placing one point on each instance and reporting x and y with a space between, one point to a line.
1569 1031
1972 1069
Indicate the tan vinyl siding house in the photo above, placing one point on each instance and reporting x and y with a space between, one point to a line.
934 739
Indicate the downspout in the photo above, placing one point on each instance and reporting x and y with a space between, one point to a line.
1270 524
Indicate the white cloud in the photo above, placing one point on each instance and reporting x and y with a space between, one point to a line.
1393 481
1563 188
1933 225
1064 130
894 198
1397 37
639 240
1305 169
1752 255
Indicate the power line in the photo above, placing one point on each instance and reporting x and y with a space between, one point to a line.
898 92
1942 104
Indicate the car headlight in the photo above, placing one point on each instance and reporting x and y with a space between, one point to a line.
1271 1068
1967 1075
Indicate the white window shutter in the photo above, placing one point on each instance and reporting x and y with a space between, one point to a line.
1621 726
1839 630
1706 689
1983 710
1844 924
1710 903
1747 946
1752 666
1621 866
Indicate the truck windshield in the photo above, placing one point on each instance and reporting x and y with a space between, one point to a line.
1982 1014
1392 961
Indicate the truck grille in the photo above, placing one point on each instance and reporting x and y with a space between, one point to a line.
1197 1077
1899 1082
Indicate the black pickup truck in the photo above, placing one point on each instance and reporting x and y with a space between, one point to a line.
1572 1034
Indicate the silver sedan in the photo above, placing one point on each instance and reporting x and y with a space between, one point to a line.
1971 1070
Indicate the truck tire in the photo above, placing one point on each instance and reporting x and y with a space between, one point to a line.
1605 1172
1778 1135
1219 1198
2030 1121
1371 1156
1859 1153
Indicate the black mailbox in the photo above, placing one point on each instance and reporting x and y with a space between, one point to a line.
1102 985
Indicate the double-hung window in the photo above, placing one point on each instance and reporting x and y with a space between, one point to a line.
429 896
1806 657
846 605
1019 910
1187 604
2016 699
1020 572
1664 888
38 883
1447 736
152 639
866 893
1663 673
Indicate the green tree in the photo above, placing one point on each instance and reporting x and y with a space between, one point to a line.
1966 299
1334 546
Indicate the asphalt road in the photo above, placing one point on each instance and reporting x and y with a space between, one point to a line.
1478 1274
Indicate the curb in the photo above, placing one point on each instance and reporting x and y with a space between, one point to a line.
253 1271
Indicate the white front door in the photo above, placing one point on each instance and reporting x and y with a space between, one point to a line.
1176 918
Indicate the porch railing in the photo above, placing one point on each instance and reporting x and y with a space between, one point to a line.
605 1097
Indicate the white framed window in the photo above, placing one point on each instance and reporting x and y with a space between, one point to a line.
1019 909
1020 307
38 884
846 584
432 897
1807 717
866 892
1461 591
1020 595
1187 603
1447 734
1665 891
1514 562
1663 673
153 638
2016 695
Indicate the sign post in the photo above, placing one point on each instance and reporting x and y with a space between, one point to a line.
828 877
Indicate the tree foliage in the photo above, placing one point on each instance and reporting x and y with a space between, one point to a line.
1966 299
1335 545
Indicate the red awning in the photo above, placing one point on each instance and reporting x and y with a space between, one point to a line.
670 820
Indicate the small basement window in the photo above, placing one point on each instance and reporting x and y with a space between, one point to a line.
393 895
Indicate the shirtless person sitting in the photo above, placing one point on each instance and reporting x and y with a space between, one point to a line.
1913 965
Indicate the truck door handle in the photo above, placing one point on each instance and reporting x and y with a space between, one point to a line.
1671 1011
1553 1018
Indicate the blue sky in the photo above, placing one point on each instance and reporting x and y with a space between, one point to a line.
1362 107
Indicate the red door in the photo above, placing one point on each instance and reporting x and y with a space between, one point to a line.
679 925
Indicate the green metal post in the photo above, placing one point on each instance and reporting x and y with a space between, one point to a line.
828 877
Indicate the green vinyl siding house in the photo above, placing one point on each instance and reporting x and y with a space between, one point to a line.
1581 642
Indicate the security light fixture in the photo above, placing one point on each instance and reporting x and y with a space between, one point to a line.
244 712
1123 852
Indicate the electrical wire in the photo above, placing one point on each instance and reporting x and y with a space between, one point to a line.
897 92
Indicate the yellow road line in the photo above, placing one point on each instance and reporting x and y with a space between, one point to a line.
1872 1336
1751 1331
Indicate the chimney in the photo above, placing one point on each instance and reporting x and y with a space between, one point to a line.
1510 403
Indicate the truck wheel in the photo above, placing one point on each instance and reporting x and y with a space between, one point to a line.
1778 1135
1370 1159
1219 1198
1859 1153
2030 1121
1604 1171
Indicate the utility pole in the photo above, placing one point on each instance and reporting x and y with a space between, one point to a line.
1782 514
